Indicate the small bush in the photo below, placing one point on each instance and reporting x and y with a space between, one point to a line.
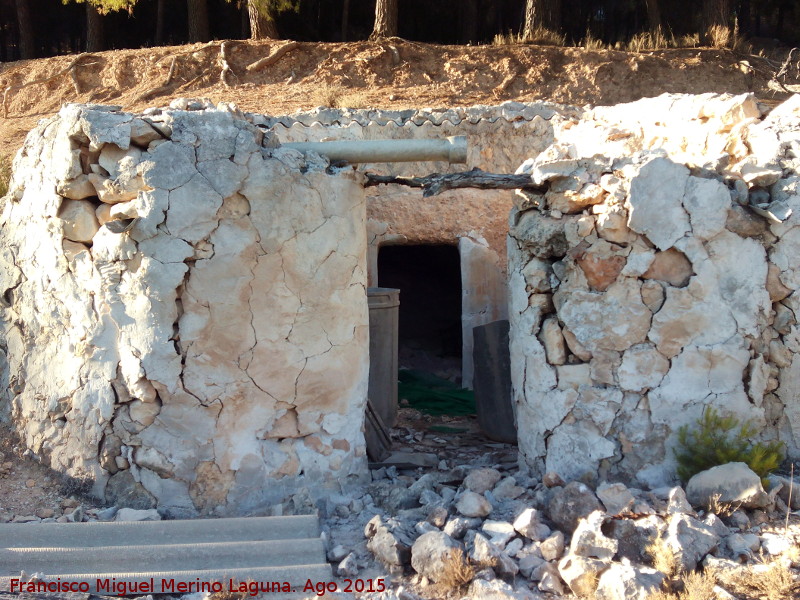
721 509
692 586
715 441
5 174
80 487
690 40
719 36
458 573
663 558
772 580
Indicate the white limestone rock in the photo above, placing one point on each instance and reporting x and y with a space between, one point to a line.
689 539
131 514
616 498
624 581
733 483
642 367
589 541
471 504
614 320
655 200
430 553
482 480
707 201
79 220
581 573
576 450
529 525
553 341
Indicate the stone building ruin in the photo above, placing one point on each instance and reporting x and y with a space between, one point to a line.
184 310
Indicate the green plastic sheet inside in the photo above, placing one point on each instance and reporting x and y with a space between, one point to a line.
434 395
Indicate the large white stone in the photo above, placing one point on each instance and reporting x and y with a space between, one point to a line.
79 221
731 483
707 202
656 208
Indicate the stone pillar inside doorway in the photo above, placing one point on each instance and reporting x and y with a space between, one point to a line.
483 294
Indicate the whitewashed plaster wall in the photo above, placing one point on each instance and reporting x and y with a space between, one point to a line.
657 276
213 358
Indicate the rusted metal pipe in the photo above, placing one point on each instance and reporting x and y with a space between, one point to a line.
453 150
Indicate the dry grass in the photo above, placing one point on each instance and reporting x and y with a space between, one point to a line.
5 173
338 96
771 580
227 594
658 40
663 558
458 573
592 43
719 36
640 42
690 40
721 509
540 36
722 36
692 586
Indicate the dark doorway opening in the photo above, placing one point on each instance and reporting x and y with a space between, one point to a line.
429 279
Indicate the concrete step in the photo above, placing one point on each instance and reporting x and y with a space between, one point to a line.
140 533
273 551
166 557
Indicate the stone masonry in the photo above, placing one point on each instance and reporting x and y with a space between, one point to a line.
214 357
657 275
183 301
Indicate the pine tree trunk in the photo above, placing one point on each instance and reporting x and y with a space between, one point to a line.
160 16
716 12
530 19
261 25
469 22
345 19
385 19
27 44
544 14
653 14
198 21
94 30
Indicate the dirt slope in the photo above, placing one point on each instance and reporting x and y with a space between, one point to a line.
393 74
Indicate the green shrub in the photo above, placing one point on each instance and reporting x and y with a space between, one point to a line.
717 440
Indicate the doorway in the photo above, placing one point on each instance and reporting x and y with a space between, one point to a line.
429 279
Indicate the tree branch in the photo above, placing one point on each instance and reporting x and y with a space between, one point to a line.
226 67
436 183
270 60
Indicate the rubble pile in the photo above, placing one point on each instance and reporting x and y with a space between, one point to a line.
525 539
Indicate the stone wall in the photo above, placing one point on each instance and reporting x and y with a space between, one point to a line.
656 276
213 357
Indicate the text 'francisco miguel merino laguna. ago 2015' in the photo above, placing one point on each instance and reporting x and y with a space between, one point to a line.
112 586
